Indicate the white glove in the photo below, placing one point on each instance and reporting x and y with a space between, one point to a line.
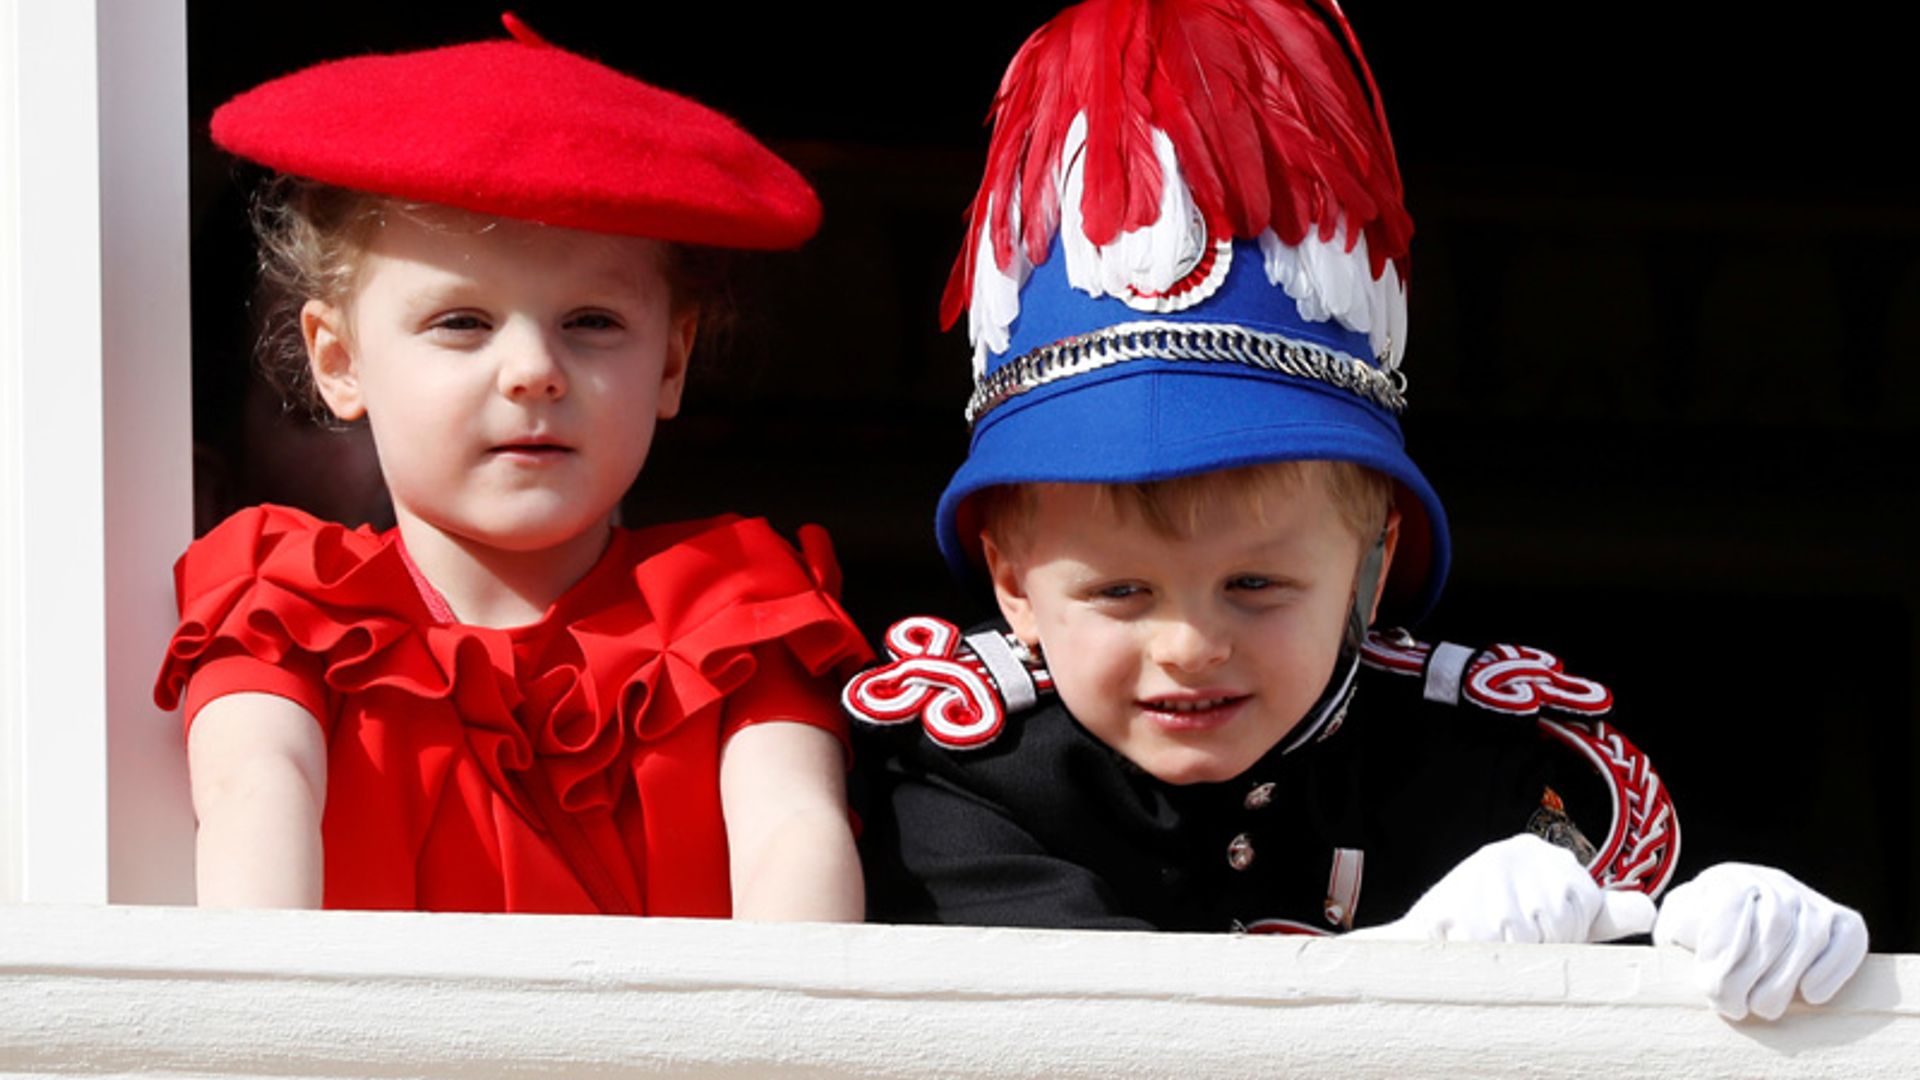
1519 889
1757 934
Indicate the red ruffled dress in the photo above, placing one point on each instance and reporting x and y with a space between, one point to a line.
571 765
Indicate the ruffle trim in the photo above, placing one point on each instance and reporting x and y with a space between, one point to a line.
273 582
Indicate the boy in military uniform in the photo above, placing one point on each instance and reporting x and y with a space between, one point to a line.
1188 491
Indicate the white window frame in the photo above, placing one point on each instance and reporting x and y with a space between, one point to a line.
96 489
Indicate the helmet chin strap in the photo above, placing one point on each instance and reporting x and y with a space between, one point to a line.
1331 708
1365 587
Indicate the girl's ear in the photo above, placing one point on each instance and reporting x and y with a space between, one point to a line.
682 328
1010 589
330 359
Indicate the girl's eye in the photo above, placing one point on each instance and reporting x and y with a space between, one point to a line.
459 322
593 320
1121 590
1250 583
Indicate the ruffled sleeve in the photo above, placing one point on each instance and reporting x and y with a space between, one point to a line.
272 600
782 690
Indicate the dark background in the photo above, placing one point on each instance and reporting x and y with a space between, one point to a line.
1665 352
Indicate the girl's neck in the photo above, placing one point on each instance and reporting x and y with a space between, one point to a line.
489 586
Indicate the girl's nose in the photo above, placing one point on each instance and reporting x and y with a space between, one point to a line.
531 367
1187 644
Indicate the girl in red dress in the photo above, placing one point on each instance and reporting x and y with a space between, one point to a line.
508 703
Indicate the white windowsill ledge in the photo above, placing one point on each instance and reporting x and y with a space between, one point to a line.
127 991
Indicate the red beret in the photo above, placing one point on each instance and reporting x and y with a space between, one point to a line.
523 129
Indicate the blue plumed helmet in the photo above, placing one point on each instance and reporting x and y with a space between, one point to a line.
1189 254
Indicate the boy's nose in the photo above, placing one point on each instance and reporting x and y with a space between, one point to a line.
531 368
1189 645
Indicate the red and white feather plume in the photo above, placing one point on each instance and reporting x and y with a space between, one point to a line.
1150 133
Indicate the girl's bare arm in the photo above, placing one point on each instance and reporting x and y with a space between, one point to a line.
790 845
258 765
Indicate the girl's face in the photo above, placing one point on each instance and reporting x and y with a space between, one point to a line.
512 373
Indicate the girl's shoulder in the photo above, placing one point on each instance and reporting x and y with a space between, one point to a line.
732 557
279 542
276 584
713 589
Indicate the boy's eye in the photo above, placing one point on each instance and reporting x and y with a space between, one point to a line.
1120 590
1263 590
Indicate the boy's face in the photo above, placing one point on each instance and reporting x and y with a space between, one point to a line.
1192 657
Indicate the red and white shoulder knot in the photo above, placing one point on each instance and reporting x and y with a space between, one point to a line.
1642 847
960 686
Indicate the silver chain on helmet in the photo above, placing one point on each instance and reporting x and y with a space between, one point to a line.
1227 343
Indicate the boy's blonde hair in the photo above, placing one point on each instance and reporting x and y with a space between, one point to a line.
1175 507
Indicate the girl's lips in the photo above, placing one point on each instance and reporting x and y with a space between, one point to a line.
1199 712
531 451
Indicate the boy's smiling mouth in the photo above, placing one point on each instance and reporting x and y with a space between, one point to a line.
1193 712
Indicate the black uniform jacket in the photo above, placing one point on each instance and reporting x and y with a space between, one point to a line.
1046 826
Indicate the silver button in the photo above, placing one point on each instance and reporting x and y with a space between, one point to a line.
1240 852
1261 795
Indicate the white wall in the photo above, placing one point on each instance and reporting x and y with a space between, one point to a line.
10 450
95 445
55 594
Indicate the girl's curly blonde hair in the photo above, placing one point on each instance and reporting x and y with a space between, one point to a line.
311 237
